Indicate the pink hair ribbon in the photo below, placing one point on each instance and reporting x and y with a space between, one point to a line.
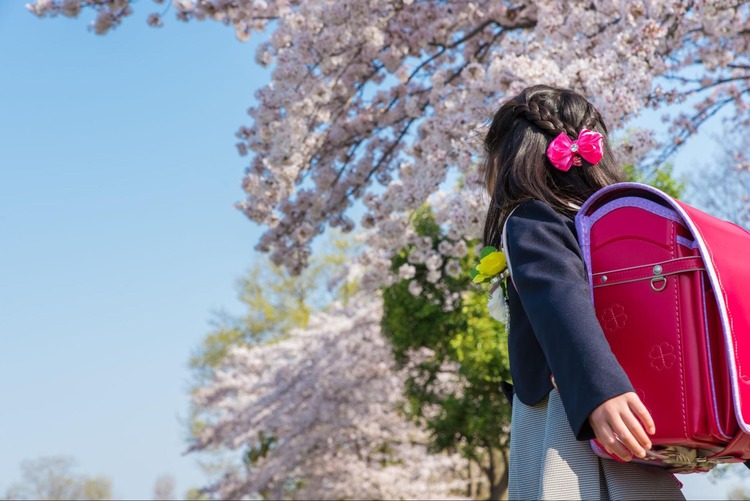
563 153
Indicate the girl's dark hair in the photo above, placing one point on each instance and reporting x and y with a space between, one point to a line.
516 163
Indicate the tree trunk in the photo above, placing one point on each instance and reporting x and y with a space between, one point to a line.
497 473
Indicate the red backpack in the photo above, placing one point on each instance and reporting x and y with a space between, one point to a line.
669 288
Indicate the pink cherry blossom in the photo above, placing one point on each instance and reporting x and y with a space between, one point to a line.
328 398
381 103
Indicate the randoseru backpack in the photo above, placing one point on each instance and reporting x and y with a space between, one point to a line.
671 288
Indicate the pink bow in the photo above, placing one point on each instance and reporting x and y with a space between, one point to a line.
563 153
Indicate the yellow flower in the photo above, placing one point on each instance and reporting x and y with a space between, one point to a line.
490 265
479 278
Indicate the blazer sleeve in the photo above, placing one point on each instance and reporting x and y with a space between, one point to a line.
552 283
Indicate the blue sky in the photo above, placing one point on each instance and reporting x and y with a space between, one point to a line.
119 240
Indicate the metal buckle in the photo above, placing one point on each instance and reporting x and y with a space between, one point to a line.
658 276
684 459
662 281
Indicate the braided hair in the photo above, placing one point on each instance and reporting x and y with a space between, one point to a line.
516 165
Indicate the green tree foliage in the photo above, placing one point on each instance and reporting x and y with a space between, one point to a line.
661 177
274 302
195 494
52 478
464 344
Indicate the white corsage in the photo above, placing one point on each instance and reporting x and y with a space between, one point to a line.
496 303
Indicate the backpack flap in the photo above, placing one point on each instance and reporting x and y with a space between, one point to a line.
725 249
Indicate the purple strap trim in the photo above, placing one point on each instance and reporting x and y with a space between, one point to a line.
638 202
686 242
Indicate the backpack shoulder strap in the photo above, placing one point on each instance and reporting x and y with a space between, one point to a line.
504 241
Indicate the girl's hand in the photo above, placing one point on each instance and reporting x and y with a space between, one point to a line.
617 427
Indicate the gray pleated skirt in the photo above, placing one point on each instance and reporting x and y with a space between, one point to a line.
547 462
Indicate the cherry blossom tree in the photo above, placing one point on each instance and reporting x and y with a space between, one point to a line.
316 415
379 101
723 187
274 302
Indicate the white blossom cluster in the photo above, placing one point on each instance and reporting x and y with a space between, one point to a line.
109 13
444 383
381 100
329 395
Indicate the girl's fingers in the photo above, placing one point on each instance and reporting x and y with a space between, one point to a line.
614 446
639 434
626 437
616 425
643 414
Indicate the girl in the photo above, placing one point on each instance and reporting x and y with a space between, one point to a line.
546 152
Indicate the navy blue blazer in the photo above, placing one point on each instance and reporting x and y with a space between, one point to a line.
553 327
